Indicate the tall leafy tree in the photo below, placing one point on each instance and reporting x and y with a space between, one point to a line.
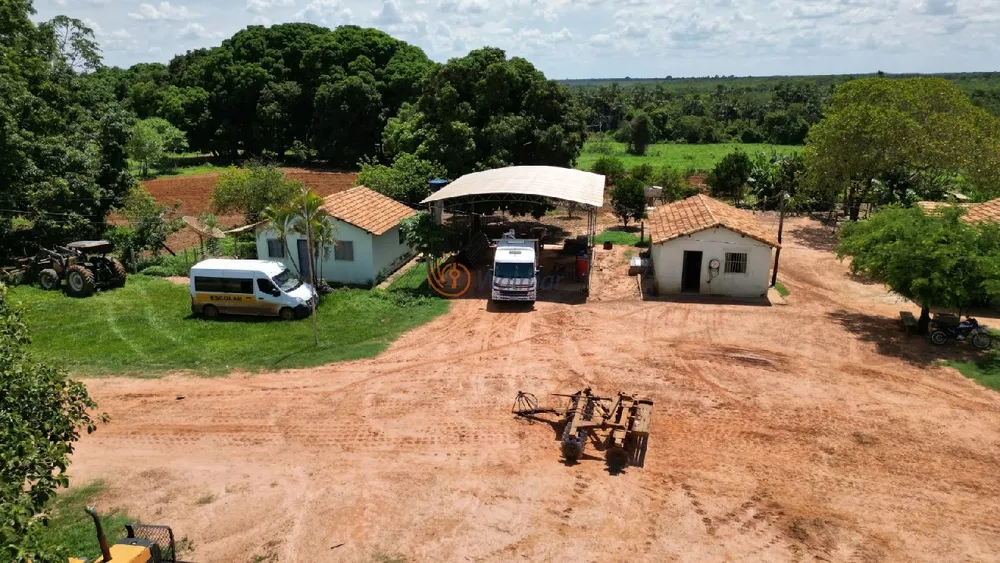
42 412
936 259
484 110
875 126
62 136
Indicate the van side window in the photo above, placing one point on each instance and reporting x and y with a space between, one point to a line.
265 285
223 285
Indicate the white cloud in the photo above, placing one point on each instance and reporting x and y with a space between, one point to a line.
195 30
261 6
325 12
464 6
165 11
938 7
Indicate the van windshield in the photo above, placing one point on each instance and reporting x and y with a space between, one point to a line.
287 281
522 270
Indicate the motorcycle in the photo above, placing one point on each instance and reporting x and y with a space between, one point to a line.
967 329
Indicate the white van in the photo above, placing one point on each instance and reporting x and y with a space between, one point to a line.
248 287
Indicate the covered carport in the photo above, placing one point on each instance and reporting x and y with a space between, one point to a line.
518 187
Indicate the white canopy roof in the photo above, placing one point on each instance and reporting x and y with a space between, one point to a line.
545 181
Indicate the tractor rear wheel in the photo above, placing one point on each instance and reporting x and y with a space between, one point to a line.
79 281
48 279
118 272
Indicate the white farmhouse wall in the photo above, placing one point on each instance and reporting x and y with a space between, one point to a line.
389 253
668 263
373 255
359 271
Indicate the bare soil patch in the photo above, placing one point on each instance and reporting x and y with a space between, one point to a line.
778 433
195 195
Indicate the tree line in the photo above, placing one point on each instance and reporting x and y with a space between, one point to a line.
348 97
777 110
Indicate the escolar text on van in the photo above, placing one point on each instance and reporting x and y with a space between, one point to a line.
248 287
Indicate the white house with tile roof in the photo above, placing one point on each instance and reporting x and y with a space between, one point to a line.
369 243
702 245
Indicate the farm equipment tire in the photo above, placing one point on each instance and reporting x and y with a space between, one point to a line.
210 312
982 340
939 337
79 281
48 279
286 314
119 273
617 458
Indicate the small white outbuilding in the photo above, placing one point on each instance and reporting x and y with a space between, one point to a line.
369 244
702 245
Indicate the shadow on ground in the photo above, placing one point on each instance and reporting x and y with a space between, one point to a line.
816 237
889 339
708 299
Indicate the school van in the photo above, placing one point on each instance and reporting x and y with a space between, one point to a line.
248 287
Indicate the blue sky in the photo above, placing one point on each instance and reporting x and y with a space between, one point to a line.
593 38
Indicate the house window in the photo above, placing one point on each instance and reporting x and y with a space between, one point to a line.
275 249
402 238
736 262
344 250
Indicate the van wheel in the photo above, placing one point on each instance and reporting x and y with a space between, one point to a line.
210 312
286 314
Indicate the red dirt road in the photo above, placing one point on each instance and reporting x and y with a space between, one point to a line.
812 431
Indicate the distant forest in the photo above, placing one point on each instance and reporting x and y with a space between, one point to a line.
773 109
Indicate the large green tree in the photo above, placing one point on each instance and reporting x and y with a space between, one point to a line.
62 137
875 126
484 110
252 189
935 259
41 414
267 89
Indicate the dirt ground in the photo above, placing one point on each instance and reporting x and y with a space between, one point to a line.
814 431
195 195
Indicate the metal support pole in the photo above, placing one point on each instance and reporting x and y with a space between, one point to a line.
781 227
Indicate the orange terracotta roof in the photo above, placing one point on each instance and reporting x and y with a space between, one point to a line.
935 205
367 209
989 210
699 213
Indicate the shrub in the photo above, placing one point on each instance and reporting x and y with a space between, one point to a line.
611 168
730 175
157 272
406 180
628 200
642 172
675 185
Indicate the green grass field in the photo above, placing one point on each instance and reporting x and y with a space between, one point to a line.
618 238
146 329
985 372
681 157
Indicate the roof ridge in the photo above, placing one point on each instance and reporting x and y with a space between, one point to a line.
704 201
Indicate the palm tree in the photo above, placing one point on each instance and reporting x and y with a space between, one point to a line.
279 219
308 219
324 237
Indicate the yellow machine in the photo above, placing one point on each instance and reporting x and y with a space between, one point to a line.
144 544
